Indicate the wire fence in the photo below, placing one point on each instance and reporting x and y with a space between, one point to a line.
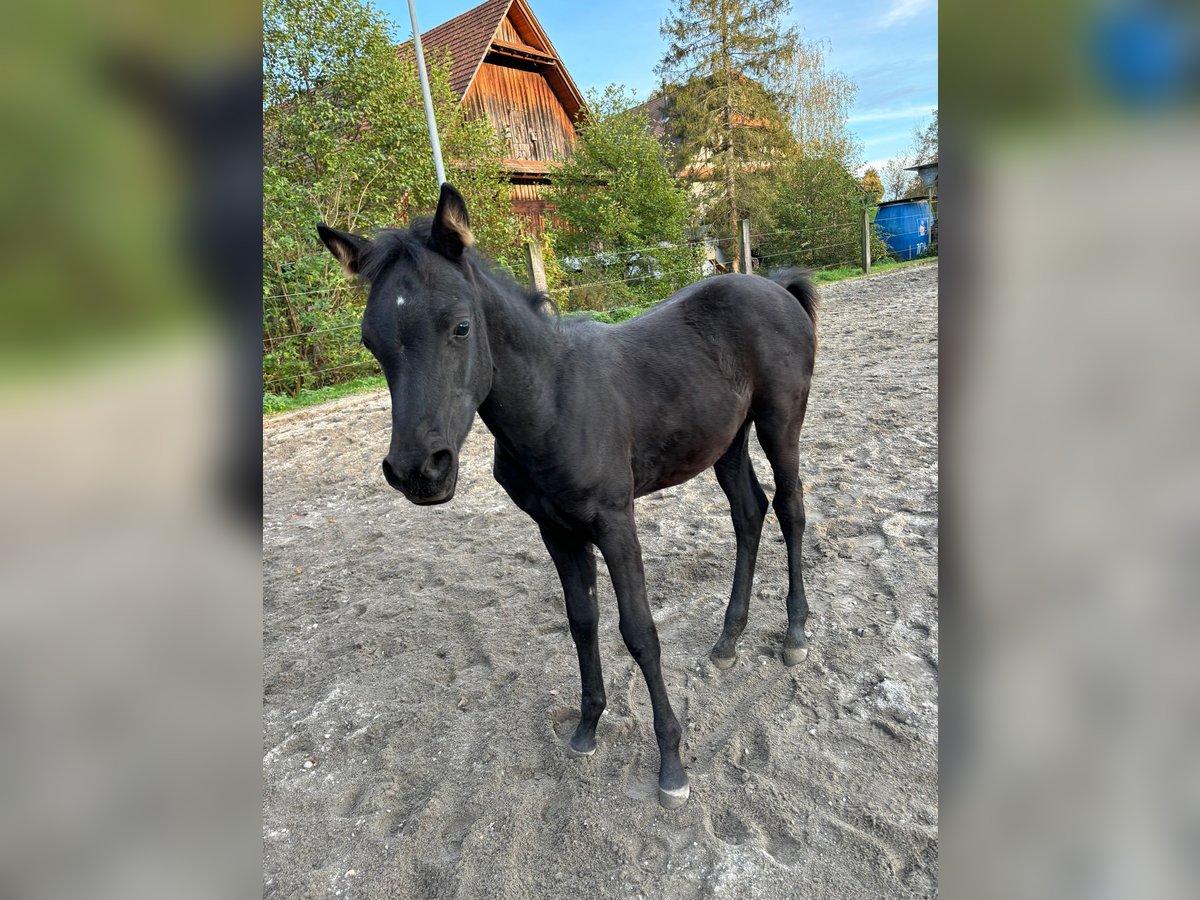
296 357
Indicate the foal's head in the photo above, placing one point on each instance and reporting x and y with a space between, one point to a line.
424 324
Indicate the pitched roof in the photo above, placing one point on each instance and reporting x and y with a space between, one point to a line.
467 38
655 109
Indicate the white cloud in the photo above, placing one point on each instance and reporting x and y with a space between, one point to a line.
903 10
924 111
877 142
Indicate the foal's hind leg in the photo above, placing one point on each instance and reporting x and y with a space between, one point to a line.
779 434
576 564
748 508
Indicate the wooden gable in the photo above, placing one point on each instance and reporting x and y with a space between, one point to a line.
504 67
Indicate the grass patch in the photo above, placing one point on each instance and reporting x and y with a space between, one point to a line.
281 403
621 313
844 273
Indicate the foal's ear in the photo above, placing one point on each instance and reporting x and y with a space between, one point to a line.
348 248
451 232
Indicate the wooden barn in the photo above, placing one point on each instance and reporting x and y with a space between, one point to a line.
504 67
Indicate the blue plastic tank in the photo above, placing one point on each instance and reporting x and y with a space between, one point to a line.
905 226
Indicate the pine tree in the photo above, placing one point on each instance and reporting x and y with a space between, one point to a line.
721 72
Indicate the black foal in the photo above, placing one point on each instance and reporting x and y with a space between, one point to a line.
588 417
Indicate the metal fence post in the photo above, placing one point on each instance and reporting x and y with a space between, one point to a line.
744 247
535 263
866 240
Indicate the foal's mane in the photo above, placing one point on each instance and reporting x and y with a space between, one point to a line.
411 245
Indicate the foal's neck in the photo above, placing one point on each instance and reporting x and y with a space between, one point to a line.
525 345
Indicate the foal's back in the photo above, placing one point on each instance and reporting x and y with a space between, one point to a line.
742 321
689 372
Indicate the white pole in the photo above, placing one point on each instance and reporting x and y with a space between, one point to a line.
430 121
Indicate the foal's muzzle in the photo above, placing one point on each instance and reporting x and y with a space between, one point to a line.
425 479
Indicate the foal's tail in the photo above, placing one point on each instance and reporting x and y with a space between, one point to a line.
798 283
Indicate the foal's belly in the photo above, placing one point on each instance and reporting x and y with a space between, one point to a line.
675 476
679 453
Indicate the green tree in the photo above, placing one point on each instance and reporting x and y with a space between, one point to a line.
815 203
817 210
345 142
871 185
902 184
723 72
898 182
625 216
817 101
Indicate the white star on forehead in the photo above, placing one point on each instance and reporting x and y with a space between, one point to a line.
399 301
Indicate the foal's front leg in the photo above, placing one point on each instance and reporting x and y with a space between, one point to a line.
576 564
616 536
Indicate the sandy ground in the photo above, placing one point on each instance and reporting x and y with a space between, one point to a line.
420 680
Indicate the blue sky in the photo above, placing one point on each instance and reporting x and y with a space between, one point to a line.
887 47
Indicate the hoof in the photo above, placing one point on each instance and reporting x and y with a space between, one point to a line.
675 798
723 662
794 655
579 754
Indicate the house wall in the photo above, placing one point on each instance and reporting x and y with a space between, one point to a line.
509 33
521 106
529 204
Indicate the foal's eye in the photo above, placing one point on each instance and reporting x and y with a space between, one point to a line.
462 328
